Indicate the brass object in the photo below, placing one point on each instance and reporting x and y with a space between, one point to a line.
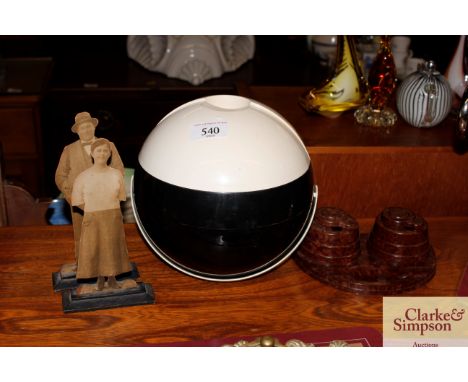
338 344
346 89
269 341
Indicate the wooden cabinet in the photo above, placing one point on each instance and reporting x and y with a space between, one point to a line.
21 91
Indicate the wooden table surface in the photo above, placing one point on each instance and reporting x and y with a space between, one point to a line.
284 300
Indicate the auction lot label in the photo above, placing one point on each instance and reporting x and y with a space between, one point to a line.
425 321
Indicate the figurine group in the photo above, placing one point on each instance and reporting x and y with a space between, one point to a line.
90 175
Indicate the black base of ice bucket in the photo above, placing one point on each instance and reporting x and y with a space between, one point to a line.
222 236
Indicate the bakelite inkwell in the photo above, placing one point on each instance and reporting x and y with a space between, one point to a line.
395 257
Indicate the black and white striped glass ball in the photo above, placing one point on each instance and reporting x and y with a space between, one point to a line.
424 98
224 189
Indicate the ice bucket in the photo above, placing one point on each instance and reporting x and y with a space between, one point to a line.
224 189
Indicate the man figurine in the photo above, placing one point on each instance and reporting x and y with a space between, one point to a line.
76 158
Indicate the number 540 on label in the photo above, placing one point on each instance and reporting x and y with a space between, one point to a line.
209 130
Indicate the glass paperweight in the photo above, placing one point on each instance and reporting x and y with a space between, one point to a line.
382 76
345 90
424 98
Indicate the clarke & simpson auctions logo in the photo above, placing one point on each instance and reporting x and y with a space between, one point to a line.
417 320
425 321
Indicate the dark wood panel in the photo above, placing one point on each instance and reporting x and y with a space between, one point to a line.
18 132
364 183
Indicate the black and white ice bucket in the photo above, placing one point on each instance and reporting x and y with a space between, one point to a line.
224 189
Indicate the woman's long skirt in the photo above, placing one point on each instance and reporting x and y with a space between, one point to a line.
103 249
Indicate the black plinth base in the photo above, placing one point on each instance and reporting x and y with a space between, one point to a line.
62 280
108 298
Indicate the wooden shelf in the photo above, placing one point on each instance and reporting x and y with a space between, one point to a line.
322 134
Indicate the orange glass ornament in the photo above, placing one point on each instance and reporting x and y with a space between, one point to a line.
382 76
382 84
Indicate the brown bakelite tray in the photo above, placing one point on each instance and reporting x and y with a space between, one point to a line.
395 257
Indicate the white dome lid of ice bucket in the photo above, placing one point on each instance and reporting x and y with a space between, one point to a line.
229 174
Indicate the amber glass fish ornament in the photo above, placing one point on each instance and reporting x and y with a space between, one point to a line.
345 90
382 83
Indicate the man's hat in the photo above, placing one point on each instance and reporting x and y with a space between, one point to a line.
83 117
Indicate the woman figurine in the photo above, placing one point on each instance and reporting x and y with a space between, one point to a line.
98 192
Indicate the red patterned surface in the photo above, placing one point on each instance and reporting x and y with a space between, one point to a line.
360 336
